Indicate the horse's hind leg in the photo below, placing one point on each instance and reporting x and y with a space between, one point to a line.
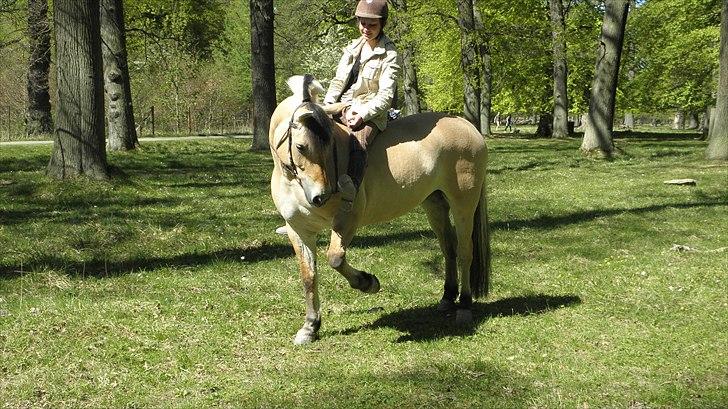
462 212
340 240
438 214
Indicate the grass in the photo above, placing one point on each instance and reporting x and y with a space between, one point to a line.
167 288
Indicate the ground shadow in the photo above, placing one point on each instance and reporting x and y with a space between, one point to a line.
427 323
100 268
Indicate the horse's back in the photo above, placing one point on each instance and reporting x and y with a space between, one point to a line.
418 155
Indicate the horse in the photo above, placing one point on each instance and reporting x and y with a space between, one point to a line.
434 160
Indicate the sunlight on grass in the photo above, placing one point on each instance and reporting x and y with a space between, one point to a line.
166 287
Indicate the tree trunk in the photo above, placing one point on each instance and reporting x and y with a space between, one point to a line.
692 121
561 97
262 70
410 85
629 120
468 61
486 74
78 147
705 124
598 134
678 121
545 121
120 116
39 119
718 135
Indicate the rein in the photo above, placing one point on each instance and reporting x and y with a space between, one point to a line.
291 166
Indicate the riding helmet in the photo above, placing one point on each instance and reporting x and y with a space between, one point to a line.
372 9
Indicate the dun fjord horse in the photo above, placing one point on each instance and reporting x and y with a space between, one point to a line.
430 159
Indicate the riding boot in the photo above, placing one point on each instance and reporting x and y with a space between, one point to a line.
350 182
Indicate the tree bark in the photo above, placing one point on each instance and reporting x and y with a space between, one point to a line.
629 120
262 70
78 147
410 85
120 116
560 127
598 135
468 61
39 120
678 120
718 134
486 74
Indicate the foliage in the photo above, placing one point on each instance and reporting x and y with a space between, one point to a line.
167 288
672 49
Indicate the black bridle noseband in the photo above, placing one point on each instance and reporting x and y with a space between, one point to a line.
291 166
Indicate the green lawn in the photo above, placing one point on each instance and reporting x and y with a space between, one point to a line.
166 287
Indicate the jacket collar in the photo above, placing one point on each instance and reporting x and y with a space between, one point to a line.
355 47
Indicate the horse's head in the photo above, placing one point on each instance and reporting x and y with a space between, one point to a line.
307 152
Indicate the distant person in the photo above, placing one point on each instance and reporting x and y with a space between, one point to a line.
497 120
509 123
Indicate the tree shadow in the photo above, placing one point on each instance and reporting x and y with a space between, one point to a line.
427 323
100 268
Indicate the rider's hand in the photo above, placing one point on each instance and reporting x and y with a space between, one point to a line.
354 120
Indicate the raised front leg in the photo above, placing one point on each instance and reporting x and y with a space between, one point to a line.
341 235
305 247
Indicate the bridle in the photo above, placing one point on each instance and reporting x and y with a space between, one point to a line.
290 167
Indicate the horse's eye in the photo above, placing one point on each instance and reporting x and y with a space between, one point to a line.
301 147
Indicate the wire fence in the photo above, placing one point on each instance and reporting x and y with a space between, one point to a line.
150 121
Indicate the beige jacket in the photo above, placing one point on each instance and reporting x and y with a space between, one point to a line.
372 93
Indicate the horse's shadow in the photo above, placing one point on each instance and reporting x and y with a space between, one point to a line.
427 323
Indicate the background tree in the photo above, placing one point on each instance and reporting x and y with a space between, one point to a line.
718 134
39 120
561 96
404 41
468 61
120 114
598 134
78 146
263 70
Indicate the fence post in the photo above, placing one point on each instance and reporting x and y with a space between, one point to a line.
151 112
7 121
189 120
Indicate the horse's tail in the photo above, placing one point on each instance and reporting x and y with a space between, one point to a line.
480 266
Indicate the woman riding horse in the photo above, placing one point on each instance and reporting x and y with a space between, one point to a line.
364 83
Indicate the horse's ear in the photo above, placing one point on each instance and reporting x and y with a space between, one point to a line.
302 114
295 83
335 108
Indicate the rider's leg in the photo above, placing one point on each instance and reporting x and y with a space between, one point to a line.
349 183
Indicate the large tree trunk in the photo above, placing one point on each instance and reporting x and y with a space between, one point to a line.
120 117
486 74
78 147
39 119
561 97
262 69
598 134
718 135
468 60
411 89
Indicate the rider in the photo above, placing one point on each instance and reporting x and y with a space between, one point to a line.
365 81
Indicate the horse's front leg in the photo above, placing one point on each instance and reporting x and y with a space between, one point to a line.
341 235
305 247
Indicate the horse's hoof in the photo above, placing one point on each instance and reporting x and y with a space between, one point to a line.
304 336
373 284
464 317
446 305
